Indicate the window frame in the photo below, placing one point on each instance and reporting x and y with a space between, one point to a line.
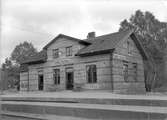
55 53
135 72
56 76
69 51
91 74
128 47
125 70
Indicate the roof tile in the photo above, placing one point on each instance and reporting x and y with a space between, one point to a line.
105 42
38 57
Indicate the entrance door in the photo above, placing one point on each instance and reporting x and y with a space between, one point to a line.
69 79
40 82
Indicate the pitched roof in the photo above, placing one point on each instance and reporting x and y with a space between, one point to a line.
98 45
104 42
42 56
107 43
68 37
39 57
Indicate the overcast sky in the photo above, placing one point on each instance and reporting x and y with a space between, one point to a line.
39 21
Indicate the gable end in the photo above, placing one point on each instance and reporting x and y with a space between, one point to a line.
67 37
139 46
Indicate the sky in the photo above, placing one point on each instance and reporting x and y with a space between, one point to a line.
39 21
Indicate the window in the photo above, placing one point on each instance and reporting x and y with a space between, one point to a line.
135 72
128 47
55 53
56 76
125 71
69 51
91 73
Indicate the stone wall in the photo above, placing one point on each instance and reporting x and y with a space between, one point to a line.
102 63
78 64
34 71
23 81
48 79
121 54
61 44
108 70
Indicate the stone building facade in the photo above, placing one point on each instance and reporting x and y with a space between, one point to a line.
108 62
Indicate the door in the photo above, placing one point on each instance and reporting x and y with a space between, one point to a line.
40 82
69 80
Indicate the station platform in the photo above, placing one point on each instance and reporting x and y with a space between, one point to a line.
88 105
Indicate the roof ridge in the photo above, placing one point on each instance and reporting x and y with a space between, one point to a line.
66 36
118 32
110 42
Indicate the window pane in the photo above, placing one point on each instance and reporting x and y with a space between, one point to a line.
57 76
55 53
88 72
91 73
94 74
125 71
128 47
69 51
135 71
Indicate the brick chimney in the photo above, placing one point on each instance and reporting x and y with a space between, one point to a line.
91 35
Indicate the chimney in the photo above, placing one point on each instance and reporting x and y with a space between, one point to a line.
91 35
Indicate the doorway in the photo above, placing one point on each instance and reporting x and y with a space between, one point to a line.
69 79
40 82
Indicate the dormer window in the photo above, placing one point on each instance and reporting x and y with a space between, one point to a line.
69 51
55 53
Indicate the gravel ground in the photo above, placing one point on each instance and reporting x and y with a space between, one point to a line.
86 94
15 118
51 117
